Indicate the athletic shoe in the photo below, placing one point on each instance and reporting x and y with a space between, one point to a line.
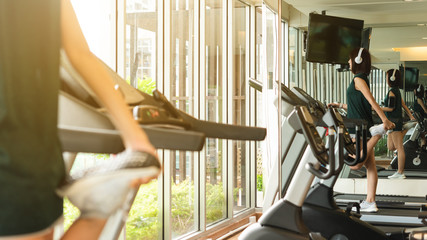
377 130
409 125
99 191
367 207
397 175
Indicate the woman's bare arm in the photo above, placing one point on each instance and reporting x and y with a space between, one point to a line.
361 85
407 110
420 101
99 80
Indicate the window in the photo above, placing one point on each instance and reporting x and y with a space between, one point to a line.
293 57
98 26
141 18
181 94
214 111
239 85
198 54
141 39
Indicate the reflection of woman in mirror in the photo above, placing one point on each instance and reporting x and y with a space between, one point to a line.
419 106
393 111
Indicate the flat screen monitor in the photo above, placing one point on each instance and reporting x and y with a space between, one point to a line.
331 39
410 74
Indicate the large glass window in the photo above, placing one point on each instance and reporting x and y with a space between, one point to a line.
181 47
141 41
271 46
182 97
239 86
98 26
293 57
258 43
258 114
266 72
214 48
140 71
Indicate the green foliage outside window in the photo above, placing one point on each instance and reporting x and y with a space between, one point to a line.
381 147
146 85
70 213
143 219
215 200
182 207
259 185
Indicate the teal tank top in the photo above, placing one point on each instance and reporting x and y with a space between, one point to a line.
396 115
358 106
31 165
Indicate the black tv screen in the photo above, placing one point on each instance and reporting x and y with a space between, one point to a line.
330 39
411 78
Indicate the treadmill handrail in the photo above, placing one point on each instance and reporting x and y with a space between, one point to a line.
214 129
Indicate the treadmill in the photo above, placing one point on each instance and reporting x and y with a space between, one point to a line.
396 212
84 126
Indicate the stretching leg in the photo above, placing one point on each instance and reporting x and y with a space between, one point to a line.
371 177
371 169
397 139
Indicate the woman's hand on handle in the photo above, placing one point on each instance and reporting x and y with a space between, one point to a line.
333 105
337 105
388 125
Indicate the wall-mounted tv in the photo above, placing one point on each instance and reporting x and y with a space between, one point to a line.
330 39
410 75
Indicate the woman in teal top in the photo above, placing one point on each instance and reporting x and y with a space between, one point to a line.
419 106
393 110
360 103
31 166
358 107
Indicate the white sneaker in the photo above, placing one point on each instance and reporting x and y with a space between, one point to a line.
367 207
99 191
397 175
377 130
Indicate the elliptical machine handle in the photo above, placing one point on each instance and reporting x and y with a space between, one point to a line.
320 173
358 158
300 119
341 146
364 142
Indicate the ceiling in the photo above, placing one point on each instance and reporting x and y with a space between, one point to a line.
396 24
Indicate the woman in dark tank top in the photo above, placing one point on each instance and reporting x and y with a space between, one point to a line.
419 105
360 103
393 110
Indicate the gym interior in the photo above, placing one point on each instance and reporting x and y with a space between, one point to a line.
227 66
